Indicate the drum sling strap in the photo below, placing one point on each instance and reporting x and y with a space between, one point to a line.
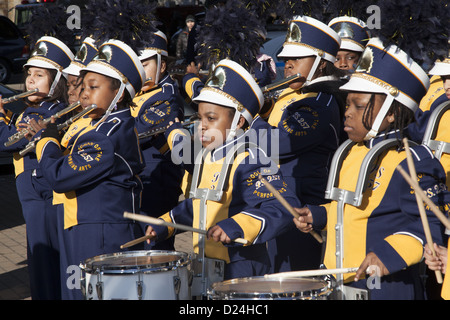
354 198
429 137
205 194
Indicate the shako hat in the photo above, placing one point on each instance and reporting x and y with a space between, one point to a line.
50 53
391 71
117 60
353 32
83 56
231 85
307 36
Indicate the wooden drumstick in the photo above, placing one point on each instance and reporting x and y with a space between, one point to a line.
151 220
310 273
135 241
287 206
423 215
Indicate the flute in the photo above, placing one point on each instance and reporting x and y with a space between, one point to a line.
155 131
20 96
22 133
32 144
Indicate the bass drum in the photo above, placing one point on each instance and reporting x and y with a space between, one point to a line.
137 275
261 288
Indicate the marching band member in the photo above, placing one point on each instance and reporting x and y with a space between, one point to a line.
438 93
99 176
308 117
243 208
157 103
43 71
354 35
385 231
84 55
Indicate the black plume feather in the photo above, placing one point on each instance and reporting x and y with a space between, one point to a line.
420 28
287 9
351 8
230 31
49 21
132 22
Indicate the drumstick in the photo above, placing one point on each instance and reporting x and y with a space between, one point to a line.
423 215
310 273
424 197
135 241
287 206
151 220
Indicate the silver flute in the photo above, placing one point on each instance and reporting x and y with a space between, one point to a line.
16 137
32 144
19 96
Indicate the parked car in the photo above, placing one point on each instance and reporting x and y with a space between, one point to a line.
14 50
16 107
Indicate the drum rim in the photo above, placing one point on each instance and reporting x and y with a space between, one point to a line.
87 265
287 295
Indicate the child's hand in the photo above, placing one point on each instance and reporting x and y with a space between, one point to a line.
217 234
150 232
304 222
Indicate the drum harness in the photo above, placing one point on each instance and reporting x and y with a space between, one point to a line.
354 198
438 147
206 194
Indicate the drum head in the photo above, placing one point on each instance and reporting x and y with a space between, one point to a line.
269 288
136 261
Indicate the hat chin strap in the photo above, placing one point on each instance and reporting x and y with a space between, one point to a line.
233 129
55 83
112 105
313 70
380 117
158 68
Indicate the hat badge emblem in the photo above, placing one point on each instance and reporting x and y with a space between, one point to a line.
104 54
294 33
366 62
41 49
218 79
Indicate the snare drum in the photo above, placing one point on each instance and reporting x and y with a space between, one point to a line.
137 275
261 288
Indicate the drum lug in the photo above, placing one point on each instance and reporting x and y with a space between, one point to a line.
99 287
177 286
139 289
83 287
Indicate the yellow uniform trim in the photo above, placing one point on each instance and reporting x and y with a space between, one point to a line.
188 86
172 134
40 146
287 97
409 248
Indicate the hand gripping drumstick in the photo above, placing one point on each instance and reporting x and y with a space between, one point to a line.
423 215
151 220
287 206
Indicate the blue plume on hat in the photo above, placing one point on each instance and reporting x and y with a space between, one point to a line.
286 9
49 21
132 22
420 28
230 31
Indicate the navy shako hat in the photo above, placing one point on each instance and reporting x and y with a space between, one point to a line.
158 48
231 85
50 53
306 37
83 56
390 71
117 60
352 31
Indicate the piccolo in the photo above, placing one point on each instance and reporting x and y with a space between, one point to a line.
153 132
20 96
22 133
32 144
